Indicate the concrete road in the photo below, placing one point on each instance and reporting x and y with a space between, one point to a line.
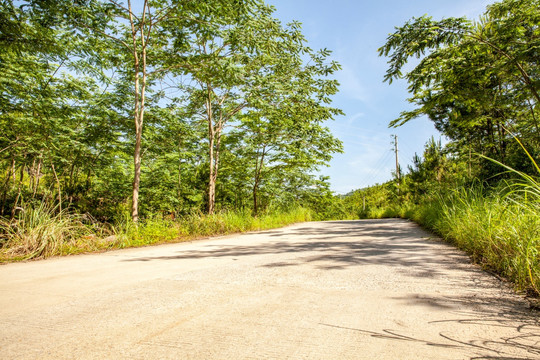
326 290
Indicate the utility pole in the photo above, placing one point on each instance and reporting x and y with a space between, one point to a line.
397 159
398 175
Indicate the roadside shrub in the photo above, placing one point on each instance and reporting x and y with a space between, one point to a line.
40 231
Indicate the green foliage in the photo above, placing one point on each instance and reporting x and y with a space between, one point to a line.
73 78
498 226
43 231
105 107
478 83
475 80
251 76
501 233
374 202
323 203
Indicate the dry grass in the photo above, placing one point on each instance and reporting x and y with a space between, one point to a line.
43 231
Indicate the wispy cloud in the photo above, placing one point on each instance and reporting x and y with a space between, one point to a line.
473 10
351 119
350 84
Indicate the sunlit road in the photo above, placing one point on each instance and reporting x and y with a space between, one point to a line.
325 290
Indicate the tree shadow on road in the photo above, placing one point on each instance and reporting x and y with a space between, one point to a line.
344 245
503 348
517 337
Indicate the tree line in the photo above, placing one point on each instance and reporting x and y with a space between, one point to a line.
160 107
478 82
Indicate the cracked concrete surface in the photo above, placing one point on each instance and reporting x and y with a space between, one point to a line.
369 289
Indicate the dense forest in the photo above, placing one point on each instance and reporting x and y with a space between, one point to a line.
131 123
170 108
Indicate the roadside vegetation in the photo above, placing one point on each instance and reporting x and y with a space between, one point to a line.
119 130
498 225
42 232
139 122
478 81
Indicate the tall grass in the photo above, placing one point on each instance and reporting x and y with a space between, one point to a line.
500 230
43 231
40 231
152 231
497 231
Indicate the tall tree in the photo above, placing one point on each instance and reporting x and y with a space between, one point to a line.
140 36
256 65
475 79
85 87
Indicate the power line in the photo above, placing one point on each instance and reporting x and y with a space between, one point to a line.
376 170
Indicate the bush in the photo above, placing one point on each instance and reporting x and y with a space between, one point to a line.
43 231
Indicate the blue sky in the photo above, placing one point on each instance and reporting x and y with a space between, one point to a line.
354 30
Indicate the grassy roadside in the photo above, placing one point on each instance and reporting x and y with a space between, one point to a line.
500 231
42 232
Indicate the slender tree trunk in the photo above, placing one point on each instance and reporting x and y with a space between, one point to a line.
38 174
136 177
501 142
256 186
255 199
211 197
179 168
140 87
214 167
19 192
258 174
216 164
13 170
32 172
211 183
58 185
211 154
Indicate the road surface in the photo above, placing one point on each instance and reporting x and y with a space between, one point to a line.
371 289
